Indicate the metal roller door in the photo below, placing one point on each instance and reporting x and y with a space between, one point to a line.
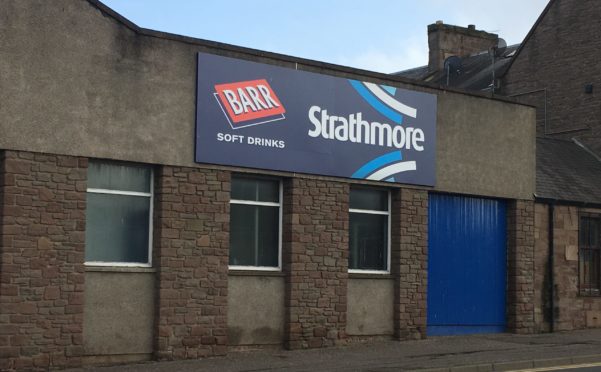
466 265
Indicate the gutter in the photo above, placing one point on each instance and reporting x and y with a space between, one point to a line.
555 201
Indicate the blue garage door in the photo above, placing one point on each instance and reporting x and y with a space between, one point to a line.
466 265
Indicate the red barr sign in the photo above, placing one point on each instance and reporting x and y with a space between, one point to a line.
249 100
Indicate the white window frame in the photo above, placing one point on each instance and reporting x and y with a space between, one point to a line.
388 255
149 195
280 215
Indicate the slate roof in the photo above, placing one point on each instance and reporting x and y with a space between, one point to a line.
475 73
566 171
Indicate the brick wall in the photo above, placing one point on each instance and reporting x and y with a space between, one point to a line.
315 260
191 249
520 266
42 228
409 262
562 56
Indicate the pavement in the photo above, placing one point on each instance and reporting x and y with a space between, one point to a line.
496 352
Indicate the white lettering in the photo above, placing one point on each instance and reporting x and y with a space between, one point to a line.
246 103
267 96
418 135
254 95
357 130
232 99
342 129
226 137
313 119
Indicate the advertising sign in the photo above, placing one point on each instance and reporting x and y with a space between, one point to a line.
263 116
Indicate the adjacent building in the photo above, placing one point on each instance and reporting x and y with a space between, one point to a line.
553 69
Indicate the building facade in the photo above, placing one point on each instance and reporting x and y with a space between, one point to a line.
118 245
553 69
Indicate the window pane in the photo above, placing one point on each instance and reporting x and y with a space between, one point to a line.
255 189
589 255
376 200
584 232
584 268
254 235
113 176
368 241
593 232
594 270
117 228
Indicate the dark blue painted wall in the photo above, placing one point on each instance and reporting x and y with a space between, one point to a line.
467 265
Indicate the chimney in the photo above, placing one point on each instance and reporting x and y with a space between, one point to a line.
448 40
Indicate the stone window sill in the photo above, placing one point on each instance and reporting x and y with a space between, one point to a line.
117 269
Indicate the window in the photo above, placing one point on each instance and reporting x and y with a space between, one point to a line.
369 229
255 223
118 215
589 254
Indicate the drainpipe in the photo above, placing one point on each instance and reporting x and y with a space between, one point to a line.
551 263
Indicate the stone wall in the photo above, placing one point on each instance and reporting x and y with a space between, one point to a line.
542 277
42 225
520 265
191 250
572 311
42 228
409 245
315 260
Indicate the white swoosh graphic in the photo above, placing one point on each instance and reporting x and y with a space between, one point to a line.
384 97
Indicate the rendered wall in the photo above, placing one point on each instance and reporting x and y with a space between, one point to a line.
255 310
485 147
370 307
94 87
118 314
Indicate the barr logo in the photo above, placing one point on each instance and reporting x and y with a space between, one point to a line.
248 103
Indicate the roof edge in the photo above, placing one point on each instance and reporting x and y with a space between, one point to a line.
529 35
287 58
576 203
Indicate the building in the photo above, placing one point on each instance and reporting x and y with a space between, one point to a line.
133 227
554 70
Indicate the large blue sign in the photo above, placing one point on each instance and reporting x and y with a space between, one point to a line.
268 117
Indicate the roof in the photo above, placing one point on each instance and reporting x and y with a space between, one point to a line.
566 171
475 73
